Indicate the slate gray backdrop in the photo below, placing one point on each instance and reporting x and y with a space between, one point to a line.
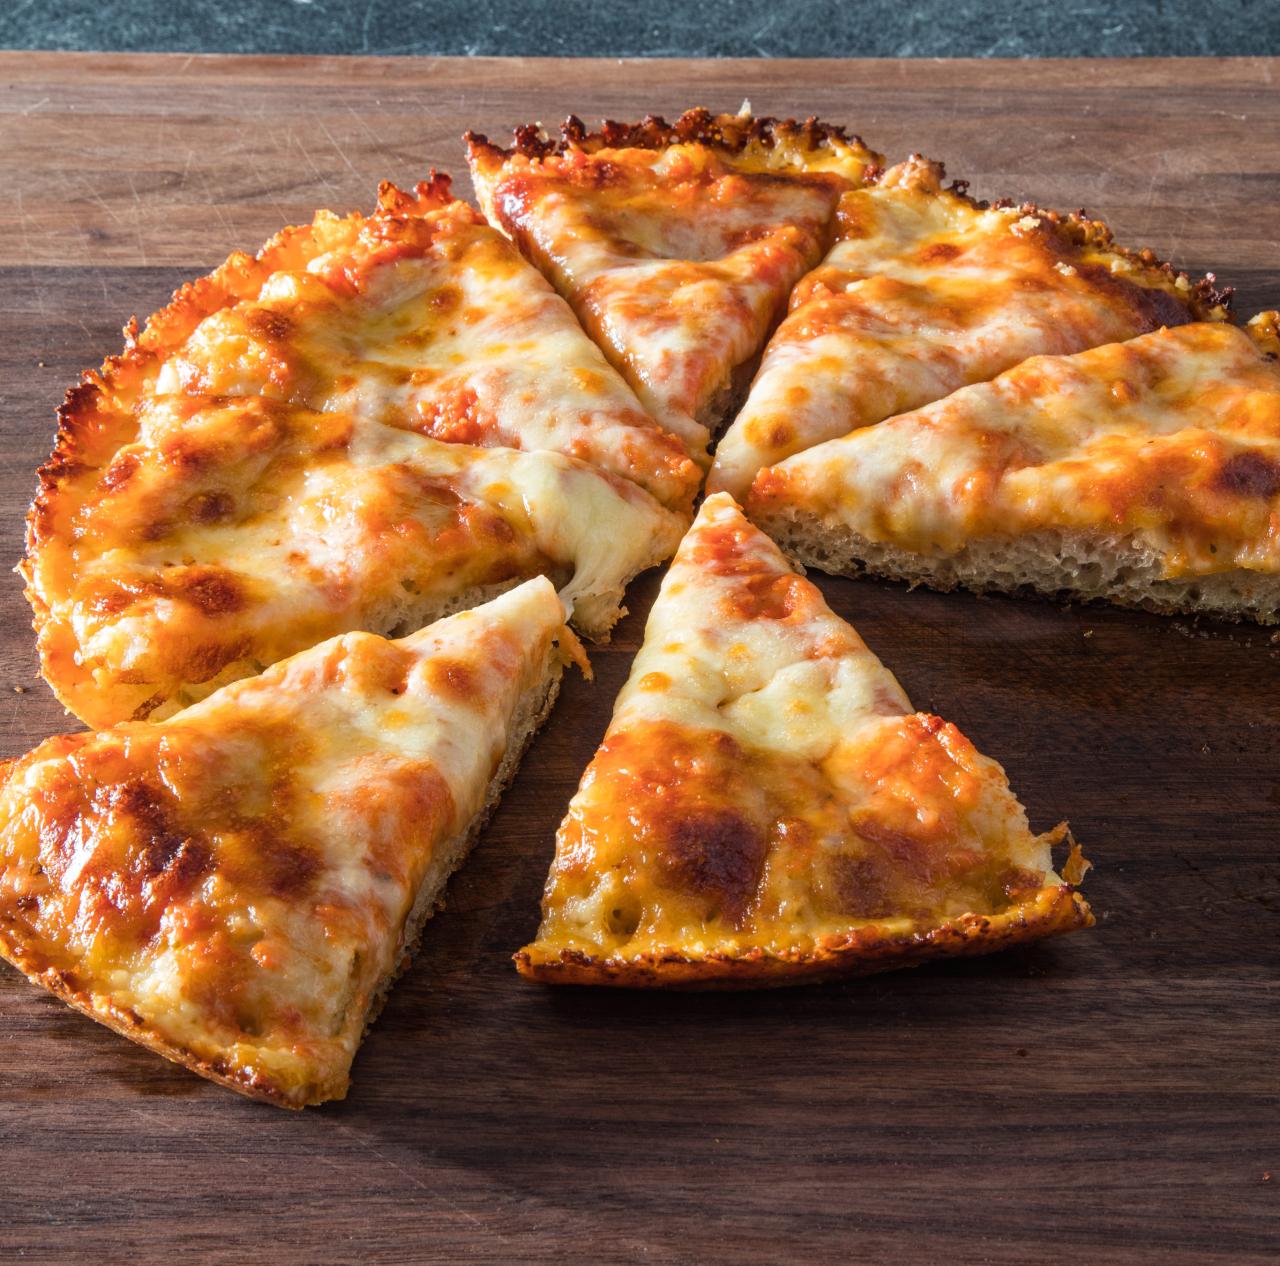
674 28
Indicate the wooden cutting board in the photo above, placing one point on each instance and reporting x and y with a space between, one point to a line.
1113 1096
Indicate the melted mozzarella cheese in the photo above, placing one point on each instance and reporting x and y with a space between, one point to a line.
923 293
323 524
771 666
459 339
376 420
765 799
1171 439
232 886
678 259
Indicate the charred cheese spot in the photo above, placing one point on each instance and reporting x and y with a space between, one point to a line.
121 470
862 888
259 427
211 507
446 299
269 323
939 252
1250 474
214 591
235 881
716 854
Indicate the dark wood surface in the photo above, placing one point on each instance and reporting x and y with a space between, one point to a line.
1110 1097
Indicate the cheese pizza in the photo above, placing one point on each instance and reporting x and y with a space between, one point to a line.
1146 472
375 421
237 887
767 808
926 291
676 244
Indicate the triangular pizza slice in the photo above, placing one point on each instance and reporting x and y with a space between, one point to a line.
926 291
676 244
377 420
766 807
236 888
1146 472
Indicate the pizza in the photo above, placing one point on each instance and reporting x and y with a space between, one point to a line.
766 807
375 421
1146 472
676 244
926 291
237 887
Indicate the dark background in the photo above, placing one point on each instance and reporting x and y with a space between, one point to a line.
656 28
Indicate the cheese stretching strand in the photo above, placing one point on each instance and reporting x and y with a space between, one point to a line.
373 422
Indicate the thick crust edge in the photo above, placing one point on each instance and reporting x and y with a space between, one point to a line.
1202 296
106 395
253 1085
1055 909
727 133
1047 563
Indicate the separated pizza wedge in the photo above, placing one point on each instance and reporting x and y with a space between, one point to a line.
677 245
231 532
926 291
766 808
237 887
1145 472
377 420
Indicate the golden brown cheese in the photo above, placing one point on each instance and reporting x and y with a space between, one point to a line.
375 421
926 291
766 807
1168 444
236 887
676 244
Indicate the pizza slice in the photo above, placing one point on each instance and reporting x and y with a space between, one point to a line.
926 291
766 807
237 887
1146 472
676 244
376 421
233 532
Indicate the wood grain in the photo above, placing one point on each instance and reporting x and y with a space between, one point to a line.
1110 1097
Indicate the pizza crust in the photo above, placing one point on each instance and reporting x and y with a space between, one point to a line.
766 808
1145 472
1059 565
278 420
227 888
763 142
1056 909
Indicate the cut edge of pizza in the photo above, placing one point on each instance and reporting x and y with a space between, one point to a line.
677 244
237 889
534 508
1145 472
766 808
925 290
